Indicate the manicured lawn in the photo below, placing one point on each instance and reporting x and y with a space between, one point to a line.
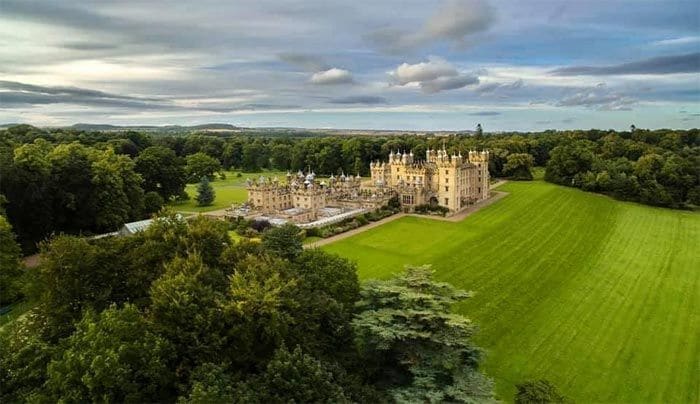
228 191
599 296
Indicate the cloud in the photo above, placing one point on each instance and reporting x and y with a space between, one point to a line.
307 62
598 97
359 99
453 23
432 76
493 87
687 63
485 113
332 76
67 91
448 83
423 71
684 40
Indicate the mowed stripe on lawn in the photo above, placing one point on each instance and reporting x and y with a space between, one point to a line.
597 295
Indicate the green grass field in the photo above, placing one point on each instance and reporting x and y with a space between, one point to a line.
228 191
601 297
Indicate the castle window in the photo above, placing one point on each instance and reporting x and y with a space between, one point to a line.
447 172
479 191
447 201
447 189
447 180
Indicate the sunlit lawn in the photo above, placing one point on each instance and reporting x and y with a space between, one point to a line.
599 296
228 191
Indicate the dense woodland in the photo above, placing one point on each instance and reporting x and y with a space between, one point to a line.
179 313
69 181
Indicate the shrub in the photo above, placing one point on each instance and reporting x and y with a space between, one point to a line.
538 391
260 225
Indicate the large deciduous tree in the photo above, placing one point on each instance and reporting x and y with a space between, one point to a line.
518 166
162 171
113 356
201 165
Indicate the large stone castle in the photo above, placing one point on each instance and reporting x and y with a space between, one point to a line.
453 182
450 181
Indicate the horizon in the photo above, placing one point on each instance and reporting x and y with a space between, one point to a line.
442 66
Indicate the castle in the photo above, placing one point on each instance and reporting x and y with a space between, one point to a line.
449 181
453 182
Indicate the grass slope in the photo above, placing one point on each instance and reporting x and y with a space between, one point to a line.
228 191
602 297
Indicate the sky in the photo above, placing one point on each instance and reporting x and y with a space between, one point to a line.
382 64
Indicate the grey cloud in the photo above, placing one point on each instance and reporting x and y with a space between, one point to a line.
307 62
492 87
448 83
66 91
432 76
598 97
485 113
688 63
16 99
453 22
88 46
359 99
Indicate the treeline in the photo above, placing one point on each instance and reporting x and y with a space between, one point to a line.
69 181
179 313
662 173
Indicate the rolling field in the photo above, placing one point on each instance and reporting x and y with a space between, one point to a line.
599 296
228 191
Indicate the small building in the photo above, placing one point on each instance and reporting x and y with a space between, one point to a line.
134 227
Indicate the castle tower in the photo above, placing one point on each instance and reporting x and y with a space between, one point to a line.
481 161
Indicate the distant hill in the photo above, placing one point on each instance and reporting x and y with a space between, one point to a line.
104 127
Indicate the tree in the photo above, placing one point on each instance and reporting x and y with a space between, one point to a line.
284 241
186 310
162 171
210 383
117 196
201 165
152 202
518 166
292 377
568 160
10 266
205 192
419 347
24 356
113 356
328 289
538 392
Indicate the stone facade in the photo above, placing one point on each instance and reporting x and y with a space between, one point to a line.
303 197
454 182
